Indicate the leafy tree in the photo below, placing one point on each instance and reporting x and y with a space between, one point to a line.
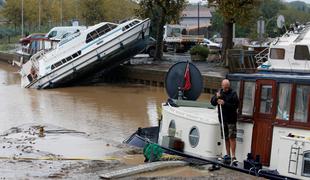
161 12
217 22
233 11
92 11
292 14
10 12
122 9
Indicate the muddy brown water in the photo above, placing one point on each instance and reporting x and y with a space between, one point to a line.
110 111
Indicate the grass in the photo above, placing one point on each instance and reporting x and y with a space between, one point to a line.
8 43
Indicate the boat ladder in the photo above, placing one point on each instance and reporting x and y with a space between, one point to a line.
35 59
294 157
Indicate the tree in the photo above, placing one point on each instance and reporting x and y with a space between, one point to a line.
10 10
160 12
115 10
92 11
233 11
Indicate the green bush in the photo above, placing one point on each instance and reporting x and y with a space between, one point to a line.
200 50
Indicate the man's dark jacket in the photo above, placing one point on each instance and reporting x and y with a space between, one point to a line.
229 109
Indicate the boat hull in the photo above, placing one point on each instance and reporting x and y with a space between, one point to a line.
147 135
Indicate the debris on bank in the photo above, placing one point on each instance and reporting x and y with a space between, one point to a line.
33 151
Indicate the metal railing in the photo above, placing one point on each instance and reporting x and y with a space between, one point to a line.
262 56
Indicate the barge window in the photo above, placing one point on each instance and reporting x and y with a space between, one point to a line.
266 99
301 52
172 128
277 53
306 164
248 98
284 99
235 85
301 103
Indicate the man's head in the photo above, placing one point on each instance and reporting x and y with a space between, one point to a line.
225 85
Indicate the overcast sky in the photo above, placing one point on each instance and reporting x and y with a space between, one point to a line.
195 1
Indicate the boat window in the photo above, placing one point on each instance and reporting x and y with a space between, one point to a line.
248 98
52 34
112 26
99 32
266 99
235 85
306 164
171 130
103 29
58 64
301 52
277 53
94 35
65 60
301 103
129 26
284 99
194 137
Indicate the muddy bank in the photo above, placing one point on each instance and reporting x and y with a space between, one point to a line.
30 152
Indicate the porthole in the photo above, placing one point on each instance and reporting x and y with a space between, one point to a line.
171 129
194 136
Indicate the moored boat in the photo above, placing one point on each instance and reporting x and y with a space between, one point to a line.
273 118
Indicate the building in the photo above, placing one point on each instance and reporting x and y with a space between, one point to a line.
189 18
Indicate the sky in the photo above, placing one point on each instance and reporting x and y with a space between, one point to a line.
306 1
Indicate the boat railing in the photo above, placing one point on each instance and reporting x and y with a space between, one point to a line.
242 61
262 56
37 45
35 59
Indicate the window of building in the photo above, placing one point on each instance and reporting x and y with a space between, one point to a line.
194 137
301 103
301 52
248 98
284 99
277 53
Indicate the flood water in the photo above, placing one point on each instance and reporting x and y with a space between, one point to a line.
108 111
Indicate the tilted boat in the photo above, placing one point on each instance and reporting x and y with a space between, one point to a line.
273 128
84 53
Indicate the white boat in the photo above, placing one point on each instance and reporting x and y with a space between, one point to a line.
84 53
273 119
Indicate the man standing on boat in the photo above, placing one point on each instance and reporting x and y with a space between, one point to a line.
229 102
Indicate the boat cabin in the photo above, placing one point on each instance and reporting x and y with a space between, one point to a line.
274 118
274 114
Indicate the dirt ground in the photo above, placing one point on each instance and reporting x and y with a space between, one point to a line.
28 153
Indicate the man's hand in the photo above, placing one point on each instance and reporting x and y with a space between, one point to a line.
218 94
220 102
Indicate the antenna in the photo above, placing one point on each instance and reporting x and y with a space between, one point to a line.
281 22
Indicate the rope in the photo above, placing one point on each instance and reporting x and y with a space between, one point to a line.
59 158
